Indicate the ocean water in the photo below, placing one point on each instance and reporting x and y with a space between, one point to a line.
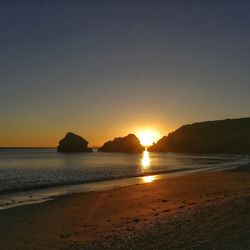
27 173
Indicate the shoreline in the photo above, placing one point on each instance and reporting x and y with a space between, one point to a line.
41 195
125 216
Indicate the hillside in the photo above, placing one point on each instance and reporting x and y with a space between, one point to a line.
223 136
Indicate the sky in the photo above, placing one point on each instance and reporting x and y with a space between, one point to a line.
104 69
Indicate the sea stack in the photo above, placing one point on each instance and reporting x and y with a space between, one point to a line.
126 144
73 143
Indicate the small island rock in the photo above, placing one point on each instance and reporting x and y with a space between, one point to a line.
127 144
73 143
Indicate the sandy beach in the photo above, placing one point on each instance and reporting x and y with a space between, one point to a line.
208 210
125 125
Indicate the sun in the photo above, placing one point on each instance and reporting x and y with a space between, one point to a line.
148 137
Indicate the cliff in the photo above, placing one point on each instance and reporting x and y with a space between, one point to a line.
231 136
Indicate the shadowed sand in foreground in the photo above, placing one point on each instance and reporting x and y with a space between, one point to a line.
208 210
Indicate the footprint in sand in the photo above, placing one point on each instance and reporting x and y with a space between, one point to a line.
164 200
64 235
166 210
136 220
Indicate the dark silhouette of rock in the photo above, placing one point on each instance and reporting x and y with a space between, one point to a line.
231 136
127 144
73 143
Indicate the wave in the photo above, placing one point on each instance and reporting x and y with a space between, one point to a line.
47 192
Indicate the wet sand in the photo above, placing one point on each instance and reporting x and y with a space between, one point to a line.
209 210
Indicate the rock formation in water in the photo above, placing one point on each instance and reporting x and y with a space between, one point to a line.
73 143
231 136
127 144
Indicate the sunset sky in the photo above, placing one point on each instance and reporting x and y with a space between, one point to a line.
108 68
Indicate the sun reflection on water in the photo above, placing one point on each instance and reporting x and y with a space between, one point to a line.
146 164
145 161
149 178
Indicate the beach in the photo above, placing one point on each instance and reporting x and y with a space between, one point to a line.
207 210
125 125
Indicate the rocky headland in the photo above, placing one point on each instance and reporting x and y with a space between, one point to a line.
231 136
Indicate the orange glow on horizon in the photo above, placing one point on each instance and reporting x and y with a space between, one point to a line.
148 137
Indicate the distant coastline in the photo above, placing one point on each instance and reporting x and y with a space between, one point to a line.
228 136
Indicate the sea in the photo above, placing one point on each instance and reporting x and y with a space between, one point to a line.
32 175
